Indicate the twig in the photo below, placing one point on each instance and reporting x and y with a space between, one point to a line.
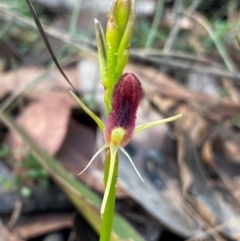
170 41
15 215
188 66
155 24
177 54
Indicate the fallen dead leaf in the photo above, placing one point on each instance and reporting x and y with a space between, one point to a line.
46 120
24 76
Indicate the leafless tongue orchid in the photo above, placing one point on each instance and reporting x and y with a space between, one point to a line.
120 124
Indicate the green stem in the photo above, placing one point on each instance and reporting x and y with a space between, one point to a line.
111 171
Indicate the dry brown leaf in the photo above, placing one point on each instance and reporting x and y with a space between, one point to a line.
23 76
212 202
46 120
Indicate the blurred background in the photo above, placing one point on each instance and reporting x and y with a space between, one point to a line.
186 55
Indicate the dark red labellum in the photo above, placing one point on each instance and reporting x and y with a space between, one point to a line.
125 101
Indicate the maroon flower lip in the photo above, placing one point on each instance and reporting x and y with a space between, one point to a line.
125 101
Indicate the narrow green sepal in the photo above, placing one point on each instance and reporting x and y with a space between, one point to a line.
155 123
102 51
89 112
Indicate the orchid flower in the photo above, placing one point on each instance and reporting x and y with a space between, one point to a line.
120 124
122 97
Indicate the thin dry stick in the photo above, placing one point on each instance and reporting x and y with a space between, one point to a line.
15 215
170 41
178 54
188 66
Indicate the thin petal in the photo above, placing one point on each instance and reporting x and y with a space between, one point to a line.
155 123
131 161
93 158
89 112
